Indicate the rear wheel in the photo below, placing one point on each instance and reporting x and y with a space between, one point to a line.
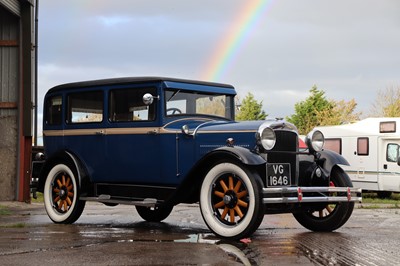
154 214
231 201
61 198
331 216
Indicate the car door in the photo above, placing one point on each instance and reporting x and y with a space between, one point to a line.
132 141
389 171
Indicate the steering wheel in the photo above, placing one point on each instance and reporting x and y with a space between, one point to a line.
174 111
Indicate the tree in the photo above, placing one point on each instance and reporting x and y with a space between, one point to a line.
317 110
308 112
342 112
251 109
387 103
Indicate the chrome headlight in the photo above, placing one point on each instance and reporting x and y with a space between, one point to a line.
266 137
315 141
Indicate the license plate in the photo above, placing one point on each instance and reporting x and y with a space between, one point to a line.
278 175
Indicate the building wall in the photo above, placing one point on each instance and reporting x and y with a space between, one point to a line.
9 88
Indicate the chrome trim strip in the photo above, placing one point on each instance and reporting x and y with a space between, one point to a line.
128 131
352 194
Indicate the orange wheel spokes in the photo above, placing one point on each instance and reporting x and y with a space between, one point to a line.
219 194
229 199
230 183
223 185
232 215
63 193
224 213
219 204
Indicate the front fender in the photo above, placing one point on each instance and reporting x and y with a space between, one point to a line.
244 155
309 164
331 158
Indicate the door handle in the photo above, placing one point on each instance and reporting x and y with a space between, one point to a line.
101 132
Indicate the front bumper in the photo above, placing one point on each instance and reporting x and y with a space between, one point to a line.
311 194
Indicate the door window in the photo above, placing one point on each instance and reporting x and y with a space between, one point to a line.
392 152
127 105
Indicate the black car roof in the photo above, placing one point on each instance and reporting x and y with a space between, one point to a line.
126 80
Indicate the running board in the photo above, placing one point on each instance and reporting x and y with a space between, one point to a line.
311 194
148 202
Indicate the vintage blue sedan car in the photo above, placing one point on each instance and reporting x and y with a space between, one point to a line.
156 142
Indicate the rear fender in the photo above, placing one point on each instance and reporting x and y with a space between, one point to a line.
68 158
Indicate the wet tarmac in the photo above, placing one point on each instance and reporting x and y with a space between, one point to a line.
117 236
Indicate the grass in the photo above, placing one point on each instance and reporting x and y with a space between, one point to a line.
4 210
16 225
39 198
373 202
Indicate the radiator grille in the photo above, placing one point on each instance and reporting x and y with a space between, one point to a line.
284 152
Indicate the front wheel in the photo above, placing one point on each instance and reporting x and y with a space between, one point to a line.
231 201
331 216
60 195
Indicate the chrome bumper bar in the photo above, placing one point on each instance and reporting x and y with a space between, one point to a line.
311 194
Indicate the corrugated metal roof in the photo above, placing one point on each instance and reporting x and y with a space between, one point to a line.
12 5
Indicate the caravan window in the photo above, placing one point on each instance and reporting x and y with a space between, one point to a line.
392 152
333 145
363 146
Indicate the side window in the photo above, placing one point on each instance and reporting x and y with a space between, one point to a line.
363 146
333 145
392 152
54 111
85 107
127 105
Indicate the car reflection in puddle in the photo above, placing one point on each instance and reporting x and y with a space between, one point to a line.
237 250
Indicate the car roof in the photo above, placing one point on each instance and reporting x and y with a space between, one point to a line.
130 80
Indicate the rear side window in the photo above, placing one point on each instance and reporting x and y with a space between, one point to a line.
85 107
333 145
54 111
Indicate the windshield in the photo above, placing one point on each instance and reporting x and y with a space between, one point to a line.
179 102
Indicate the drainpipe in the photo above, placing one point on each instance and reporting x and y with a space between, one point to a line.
35 126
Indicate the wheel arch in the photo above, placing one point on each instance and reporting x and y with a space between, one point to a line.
69 158
331 159
189 190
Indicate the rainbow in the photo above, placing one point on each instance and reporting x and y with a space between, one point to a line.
231 44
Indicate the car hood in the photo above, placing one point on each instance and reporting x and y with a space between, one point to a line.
204 126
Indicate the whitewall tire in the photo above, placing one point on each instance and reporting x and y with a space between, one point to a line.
231 200
61 197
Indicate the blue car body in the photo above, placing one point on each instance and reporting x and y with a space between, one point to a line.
153 142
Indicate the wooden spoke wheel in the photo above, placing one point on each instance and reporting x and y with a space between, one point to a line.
333 215
231 200
61 195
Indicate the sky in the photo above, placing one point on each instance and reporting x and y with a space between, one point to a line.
275 49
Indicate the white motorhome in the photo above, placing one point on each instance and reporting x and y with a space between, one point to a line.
371 146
